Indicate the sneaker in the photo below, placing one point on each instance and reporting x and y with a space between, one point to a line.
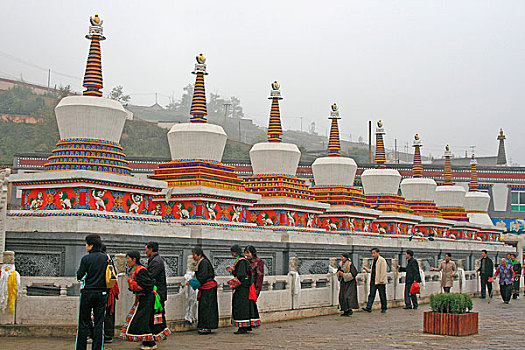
241 331
407 308
383 311
89 340
204 331
108 340
145 347
415 307
366 309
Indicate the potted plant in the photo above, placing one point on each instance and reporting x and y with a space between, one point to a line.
450 315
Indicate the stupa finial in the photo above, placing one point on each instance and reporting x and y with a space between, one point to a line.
417 169
473 185
198 110
334 145
274 128
93 75
380 158
447 176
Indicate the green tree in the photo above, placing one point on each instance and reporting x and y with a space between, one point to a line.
117 94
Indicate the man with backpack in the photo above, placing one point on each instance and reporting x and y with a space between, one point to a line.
93 293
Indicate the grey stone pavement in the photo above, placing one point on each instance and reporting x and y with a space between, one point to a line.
501 327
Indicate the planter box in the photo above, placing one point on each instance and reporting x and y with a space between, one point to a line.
450 324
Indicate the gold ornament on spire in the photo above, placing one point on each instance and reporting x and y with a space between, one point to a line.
95 21
447 148
416 137
379 123
334 107
200 59
275 85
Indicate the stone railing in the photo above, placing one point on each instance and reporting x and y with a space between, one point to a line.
54 300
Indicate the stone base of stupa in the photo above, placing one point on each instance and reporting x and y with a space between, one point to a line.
395 224
348 219
433 227
464 231
88 192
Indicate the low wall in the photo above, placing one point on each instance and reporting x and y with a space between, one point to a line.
56 314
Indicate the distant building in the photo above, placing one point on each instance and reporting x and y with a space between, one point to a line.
21 119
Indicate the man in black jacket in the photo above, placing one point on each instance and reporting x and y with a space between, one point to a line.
412 275
93 293
486 270
157 270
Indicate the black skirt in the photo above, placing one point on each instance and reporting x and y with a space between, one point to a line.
208 309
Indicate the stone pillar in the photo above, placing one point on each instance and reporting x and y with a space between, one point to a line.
126 298
334 281
395 273
293 263
120 263
4 182
6 317
8 257
461 273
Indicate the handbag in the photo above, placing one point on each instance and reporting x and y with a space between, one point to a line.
415 289
234 283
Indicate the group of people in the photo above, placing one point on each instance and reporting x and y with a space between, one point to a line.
247 282
508 271
146 321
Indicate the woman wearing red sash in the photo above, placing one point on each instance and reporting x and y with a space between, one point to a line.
242 315
205 280
140 325
257 267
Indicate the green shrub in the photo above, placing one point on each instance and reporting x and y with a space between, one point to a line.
451 303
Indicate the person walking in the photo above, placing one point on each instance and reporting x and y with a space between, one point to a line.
240 285
157 270
486 271
257 267
448 271
412 276
506 275
378 281
346 273
140 325
93 294
516 266
204 280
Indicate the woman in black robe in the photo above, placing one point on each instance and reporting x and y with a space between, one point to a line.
207 297
346 274
140 325
241 271
257 267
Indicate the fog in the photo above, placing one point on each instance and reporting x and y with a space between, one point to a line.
452 71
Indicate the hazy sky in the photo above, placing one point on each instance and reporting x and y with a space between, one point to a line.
453 71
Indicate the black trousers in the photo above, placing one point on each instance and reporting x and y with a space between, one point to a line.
95 301
447 289
506 292
109 324
485 284
410 299
372 296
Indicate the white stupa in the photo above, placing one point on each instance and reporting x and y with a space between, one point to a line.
197 139
477 203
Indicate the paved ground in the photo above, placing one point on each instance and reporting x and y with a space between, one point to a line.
501 327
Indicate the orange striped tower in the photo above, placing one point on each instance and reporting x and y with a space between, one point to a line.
274 129
93 75
334 145
198 104
380 158
473 186
447 176
417 170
